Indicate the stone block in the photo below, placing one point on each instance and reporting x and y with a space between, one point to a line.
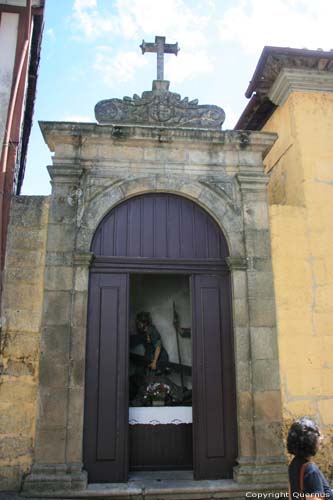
243 376
296 408
239 284
236 241
53 371
266 375
51 446
22 320
262 312
14 448
61 237
78 343
22 297
267 406
29 238
136 186
57 308
30 259
269 440
22 345
81 279
305 382
242 343
192 190
62 211
245 406
257 243
246 439
241 313
23 367
11 478
52 407
14 420
76 408
77 373
263 343
29 211
18 275
58 278
325 409
59 258
74 444
260 284
55 341
256 215
80 309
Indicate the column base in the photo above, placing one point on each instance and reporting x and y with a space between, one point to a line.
45 478
268 470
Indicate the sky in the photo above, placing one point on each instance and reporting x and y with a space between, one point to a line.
90 52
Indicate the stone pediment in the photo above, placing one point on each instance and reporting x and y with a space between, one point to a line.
159 107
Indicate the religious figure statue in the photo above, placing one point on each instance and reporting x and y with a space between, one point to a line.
155 354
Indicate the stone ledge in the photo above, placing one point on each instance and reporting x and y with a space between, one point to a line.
302 80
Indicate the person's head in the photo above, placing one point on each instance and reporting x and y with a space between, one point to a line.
143 319
303 438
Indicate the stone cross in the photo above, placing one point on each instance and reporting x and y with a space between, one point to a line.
160 47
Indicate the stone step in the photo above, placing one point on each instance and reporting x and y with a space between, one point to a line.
169 485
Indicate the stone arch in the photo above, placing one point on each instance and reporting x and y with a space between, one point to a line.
229 220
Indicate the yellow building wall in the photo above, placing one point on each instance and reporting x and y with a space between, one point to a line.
22 304
301 218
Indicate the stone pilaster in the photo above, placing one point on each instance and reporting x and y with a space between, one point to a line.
58 452
263 459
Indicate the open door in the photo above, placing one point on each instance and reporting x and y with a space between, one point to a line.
214 395
106 405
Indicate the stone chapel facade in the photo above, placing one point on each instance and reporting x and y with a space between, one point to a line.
71 261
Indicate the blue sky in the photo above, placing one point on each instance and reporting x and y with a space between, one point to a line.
91 52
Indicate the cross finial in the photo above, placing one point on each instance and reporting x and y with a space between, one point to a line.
160 47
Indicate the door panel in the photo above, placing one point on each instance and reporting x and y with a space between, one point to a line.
214 395
161 447
106 406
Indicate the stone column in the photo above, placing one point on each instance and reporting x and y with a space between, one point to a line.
57 464
261 457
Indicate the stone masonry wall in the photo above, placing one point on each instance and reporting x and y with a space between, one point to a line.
301 211
20 336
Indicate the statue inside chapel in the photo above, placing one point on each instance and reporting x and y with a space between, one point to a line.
156 356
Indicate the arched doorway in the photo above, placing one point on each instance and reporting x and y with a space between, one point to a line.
159 235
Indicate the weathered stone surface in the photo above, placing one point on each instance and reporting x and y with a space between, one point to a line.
266 375
263 343
57 307
16 422
50 446
158 107
14 447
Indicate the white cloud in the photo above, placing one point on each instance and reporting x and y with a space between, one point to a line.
50 33
293 23
133 19
188 65
118 68
137 19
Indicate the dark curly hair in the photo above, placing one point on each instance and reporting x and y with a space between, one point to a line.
145 317
303 438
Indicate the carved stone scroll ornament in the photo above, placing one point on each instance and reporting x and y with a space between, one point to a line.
159 107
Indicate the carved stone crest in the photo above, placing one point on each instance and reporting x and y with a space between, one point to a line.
159 107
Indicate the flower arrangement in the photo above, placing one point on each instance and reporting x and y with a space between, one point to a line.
157 392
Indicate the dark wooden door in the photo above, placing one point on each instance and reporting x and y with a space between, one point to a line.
214 398
106 405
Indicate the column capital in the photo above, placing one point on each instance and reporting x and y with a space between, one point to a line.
82 259
237 263
253 181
